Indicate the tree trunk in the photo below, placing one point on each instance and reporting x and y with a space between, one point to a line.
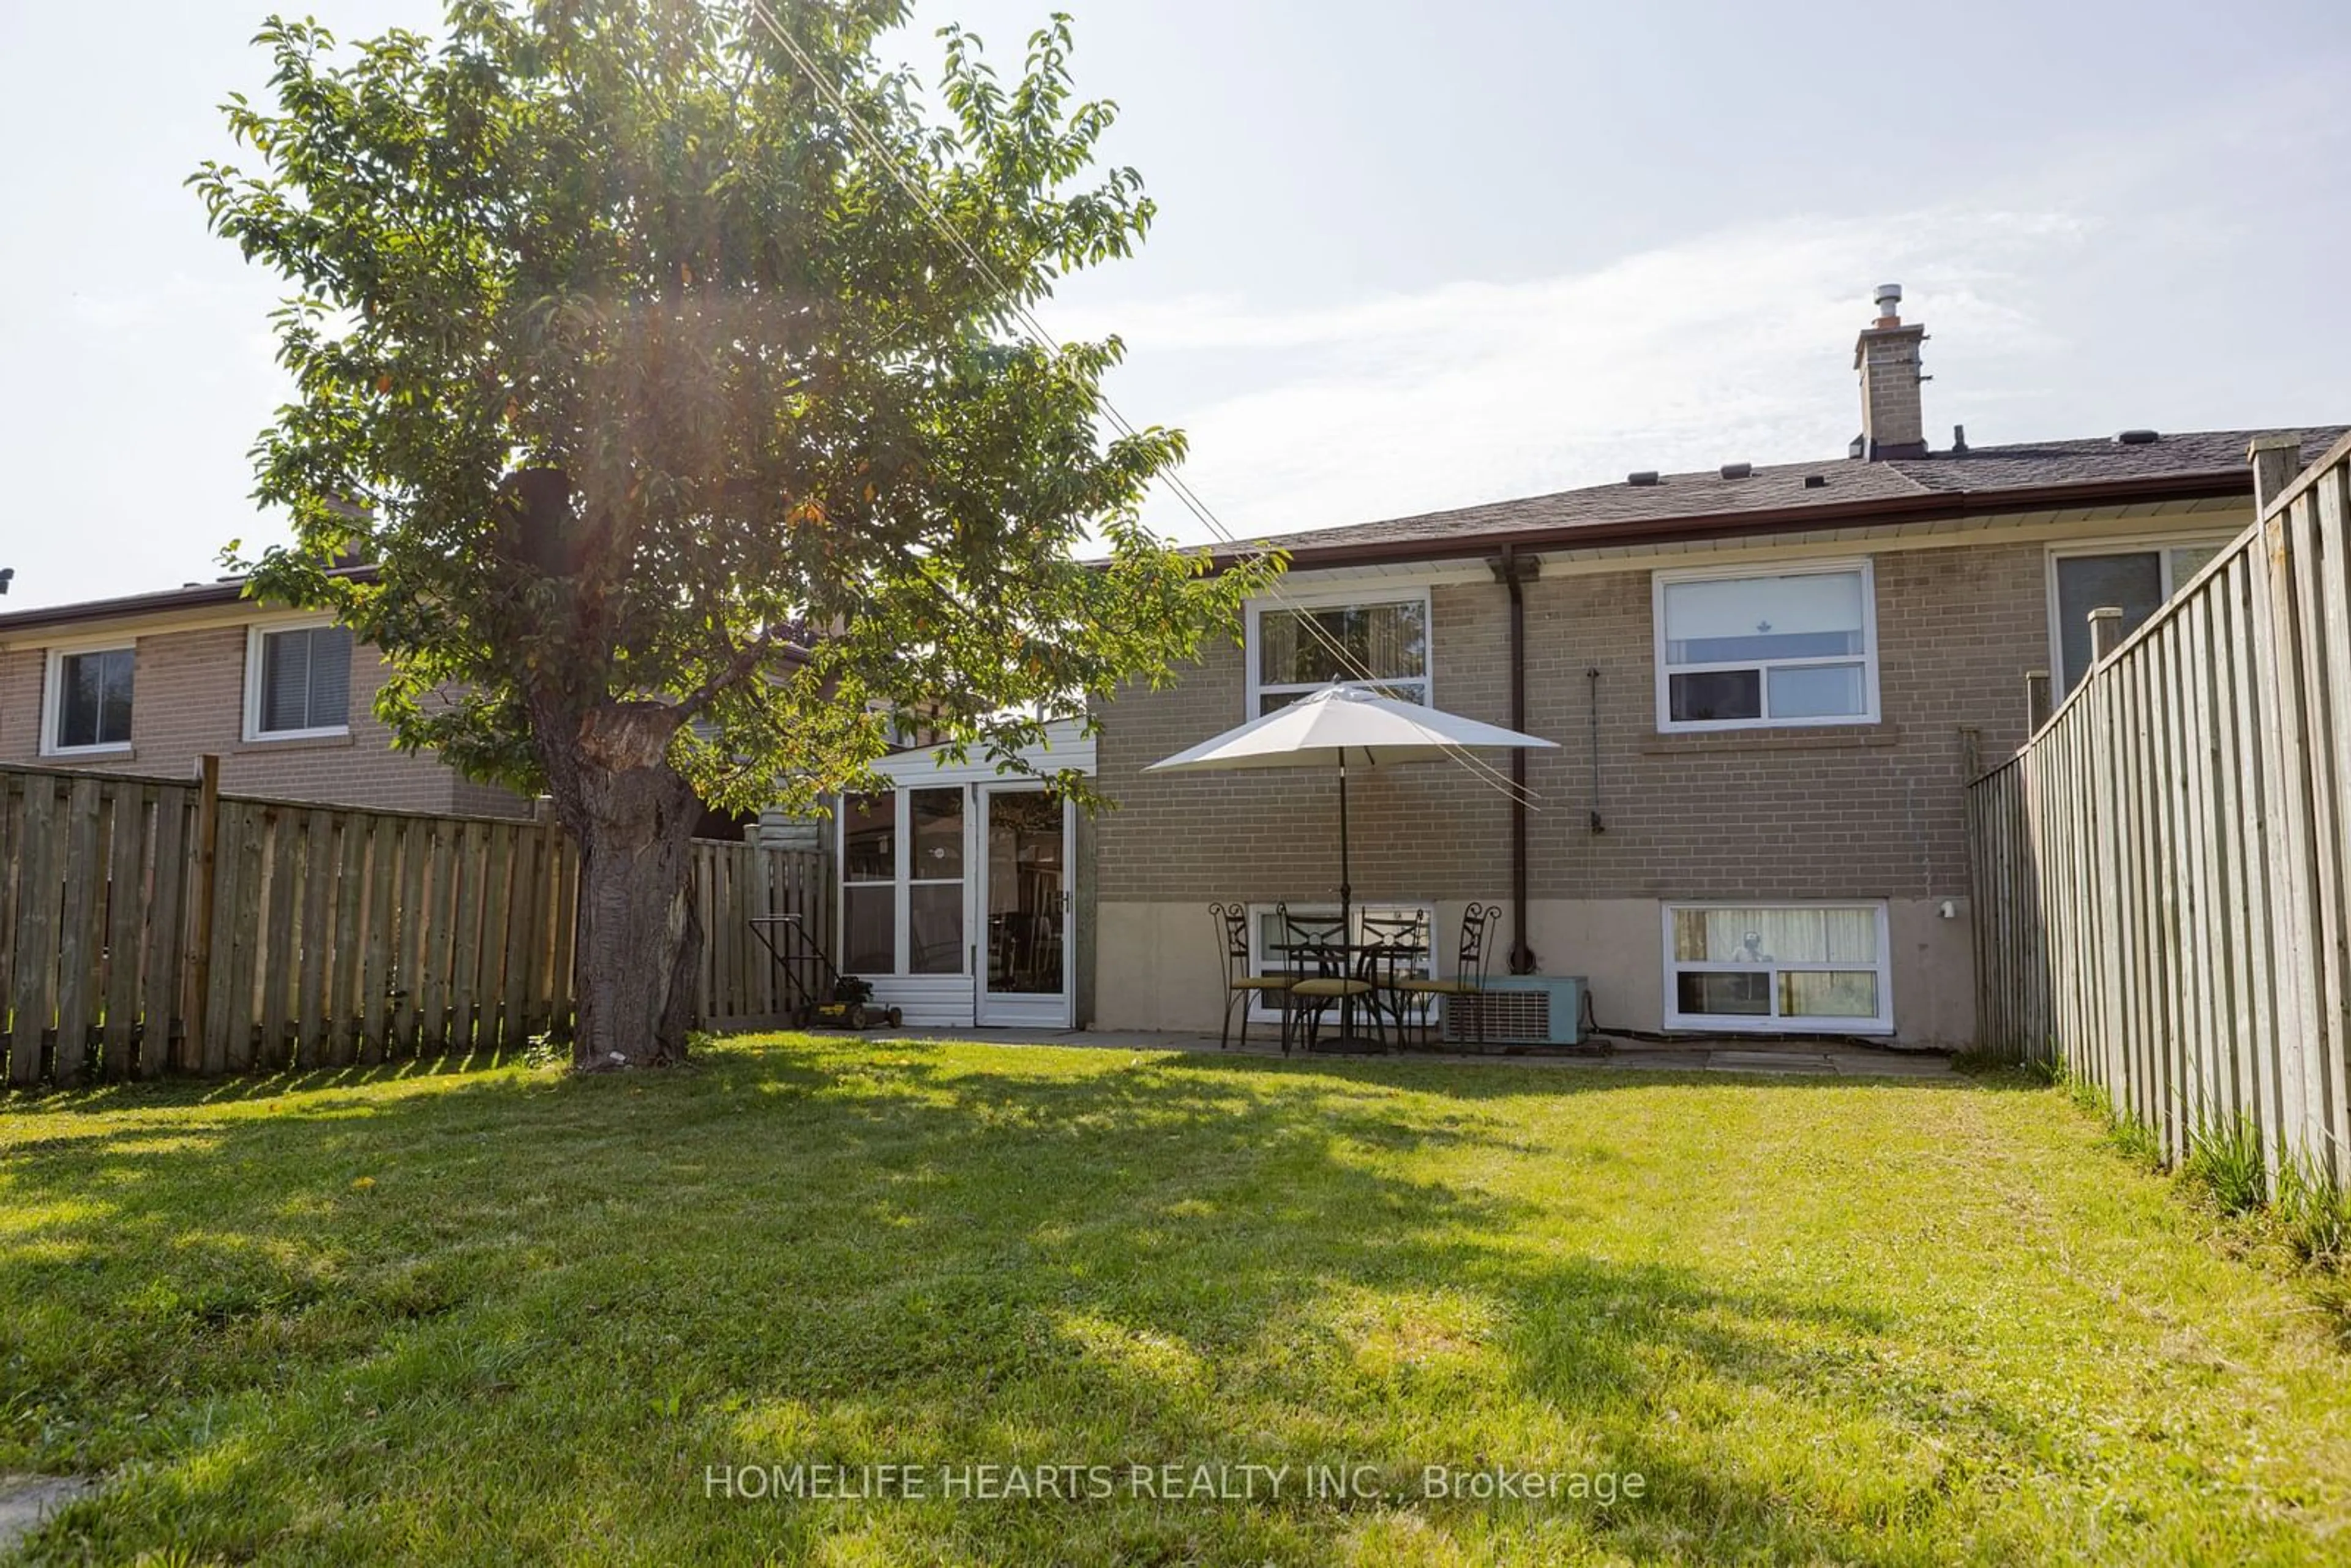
640 940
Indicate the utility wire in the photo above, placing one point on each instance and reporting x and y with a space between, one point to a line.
1485 772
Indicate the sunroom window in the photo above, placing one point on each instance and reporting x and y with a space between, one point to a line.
1792 647
901 876
1378 643
1790 966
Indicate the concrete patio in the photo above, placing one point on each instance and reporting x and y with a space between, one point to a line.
1809 1059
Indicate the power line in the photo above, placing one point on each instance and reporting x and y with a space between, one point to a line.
1492 776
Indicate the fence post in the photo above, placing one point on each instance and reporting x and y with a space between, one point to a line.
2105 631
208 847
2037 705
2275 460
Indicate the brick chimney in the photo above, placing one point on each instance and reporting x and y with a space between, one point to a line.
1893 425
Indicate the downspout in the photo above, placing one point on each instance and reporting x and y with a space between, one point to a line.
1514 571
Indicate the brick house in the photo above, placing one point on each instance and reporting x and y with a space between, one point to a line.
148 683
1768 685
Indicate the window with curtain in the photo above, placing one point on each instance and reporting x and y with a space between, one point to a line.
2137 581
1768 966
1381 644
1791 648
305 681
91 705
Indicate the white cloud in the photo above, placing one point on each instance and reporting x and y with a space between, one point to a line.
1733 346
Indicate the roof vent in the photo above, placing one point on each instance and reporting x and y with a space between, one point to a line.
2136 438
1959 441
1646 476
1737 470
1815 481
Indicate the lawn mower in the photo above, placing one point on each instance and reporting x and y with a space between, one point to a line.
820 993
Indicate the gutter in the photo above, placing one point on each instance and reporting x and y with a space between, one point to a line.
1935 506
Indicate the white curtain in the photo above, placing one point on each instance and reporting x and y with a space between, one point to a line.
1767 936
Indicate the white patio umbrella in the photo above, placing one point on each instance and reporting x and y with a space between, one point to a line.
1338 725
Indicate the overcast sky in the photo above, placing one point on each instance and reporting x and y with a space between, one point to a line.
1410 255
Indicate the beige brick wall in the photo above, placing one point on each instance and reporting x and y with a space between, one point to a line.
1828 813
188 699
1835 812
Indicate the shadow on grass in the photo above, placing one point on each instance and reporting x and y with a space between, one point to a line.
526 1312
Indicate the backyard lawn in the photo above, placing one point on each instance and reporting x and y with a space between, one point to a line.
509 1315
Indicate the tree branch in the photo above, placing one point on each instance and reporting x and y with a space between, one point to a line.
745 660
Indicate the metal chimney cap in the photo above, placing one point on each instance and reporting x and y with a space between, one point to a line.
1888 296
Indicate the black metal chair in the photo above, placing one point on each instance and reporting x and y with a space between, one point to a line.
1395 944
1468 981
1243 986
1338 976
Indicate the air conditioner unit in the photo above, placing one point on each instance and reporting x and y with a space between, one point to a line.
1519 1009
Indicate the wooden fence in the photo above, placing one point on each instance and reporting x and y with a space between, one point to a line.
2160 876
150 926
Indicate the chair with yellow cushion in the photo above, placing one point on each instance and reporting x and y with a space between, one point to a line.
1470 968
1242 986
1337 978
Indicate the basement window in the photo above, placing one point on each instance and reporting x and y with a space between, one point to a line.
1740 650
1808 967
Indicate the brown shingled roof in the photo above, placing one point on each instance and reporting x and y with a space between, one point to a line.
2027 477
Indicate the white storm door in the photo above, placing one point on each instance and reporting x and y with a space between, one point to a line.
1027 900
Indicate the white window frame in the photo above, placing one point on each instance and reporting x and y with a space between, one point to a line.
902 881
53 692
1776 1023
2159 545
1660 579
1336 599
256 636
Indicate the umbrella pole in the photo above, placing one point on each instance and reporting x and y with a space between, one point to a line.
1346 893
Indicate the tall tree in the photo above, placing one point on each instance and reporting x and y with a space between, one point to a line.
669 371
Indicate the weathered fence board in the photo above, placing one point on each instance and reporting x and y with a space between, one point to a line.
2162 874
151 925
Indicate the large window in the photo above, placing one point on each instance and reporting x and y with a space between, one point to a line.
87 705
1380 643
1784 966
298 682
1798 646
2136 580
901 871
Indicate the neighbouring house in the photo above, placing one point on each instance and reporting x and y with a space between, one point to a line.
1769 684
151 681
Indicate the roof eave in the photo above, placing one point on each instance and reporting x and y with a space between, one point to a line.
1928 507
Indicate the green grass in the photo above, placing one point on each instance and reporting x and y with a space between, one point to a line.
2226 1163
508 1316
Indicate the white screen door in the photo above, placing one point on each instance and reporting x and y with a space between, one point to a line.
1025 901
